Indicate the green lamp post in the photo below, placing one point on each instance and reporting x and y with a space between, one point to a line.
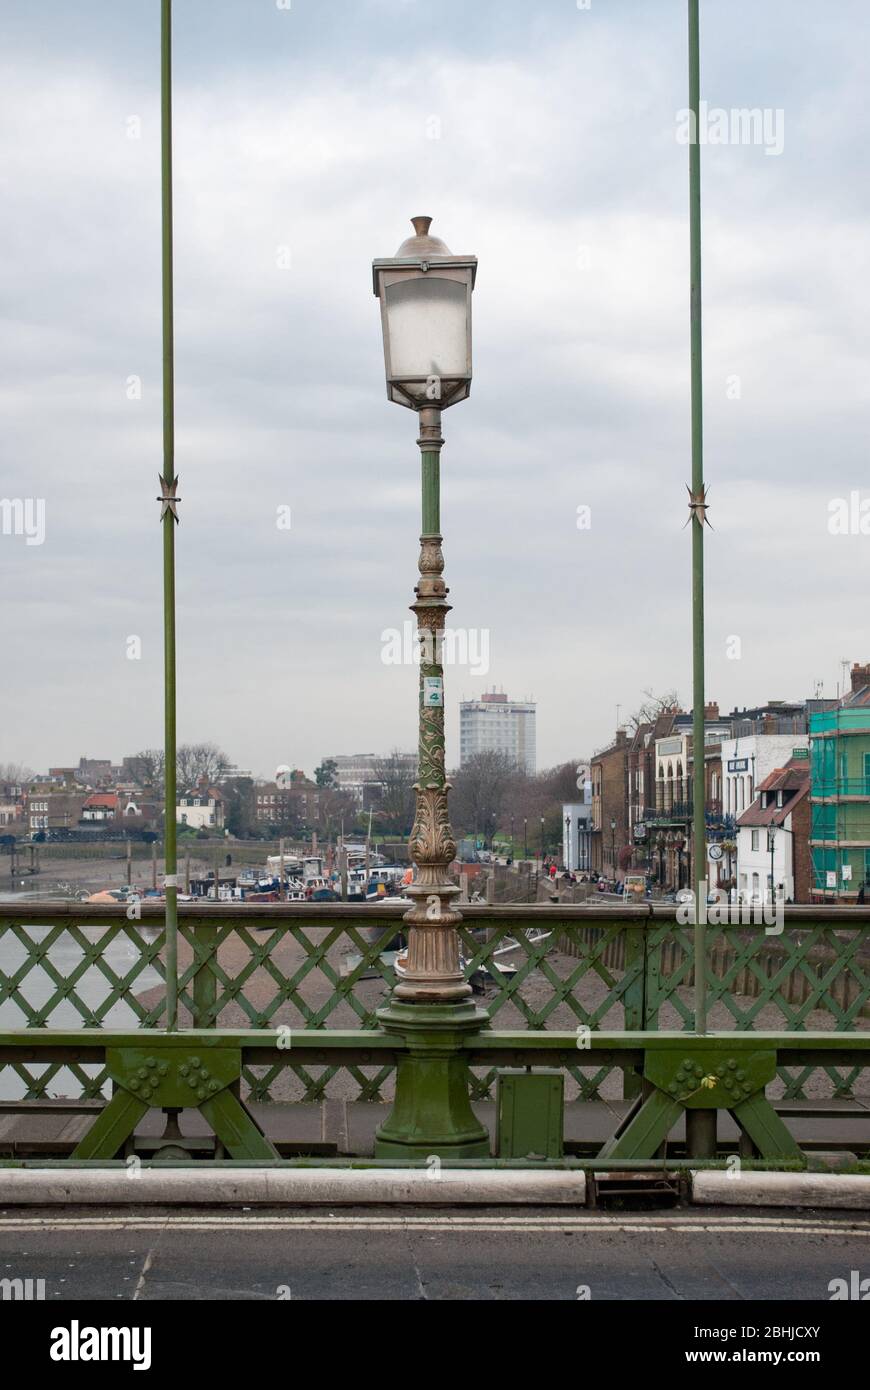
168 517
698 516
425 300
700 1123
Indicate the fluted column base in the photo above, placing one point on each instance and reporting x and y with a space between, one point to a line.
434 972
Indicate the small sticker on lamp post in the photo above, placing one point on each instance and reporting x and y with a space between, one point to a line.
433 690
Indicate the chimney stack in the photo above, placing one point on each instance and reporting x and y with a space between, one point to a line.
860 676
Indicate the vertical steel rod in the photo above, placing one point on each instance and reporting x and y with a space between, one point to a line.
169 795
699 836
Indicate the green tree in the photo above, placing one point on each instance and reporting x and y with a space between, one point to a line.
239 814
325 775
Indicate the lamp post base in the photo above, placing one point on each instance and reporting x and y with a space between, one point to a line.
434 973
432 1114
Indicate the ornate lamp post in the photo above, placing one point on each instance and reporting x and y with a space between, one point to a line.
425 298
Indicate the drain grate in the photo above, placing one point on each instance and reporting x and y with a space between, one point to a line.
635 1190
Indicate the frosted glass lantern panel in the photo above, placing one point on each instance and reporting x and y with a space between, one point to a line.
428 328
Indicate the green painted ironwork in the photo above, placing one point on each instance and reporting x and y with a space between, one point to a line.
683 1074
530 1114
153 1076
821 960
312 970
431 1113
711 1077
168 521
697 514
431 492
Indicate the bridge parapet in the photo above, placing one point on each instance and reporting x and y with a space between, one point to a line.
304 983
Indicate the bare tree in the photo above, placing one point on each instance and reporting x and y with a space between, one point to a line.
480 792
147 767
16 773
396 775
559 783
653 706
334 807
195 760
532 799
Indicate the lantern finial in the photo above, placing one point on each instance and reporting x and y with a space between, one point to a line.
422 243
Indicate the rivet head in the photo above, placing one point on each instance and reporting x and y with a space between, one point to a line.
142 1072
687 1063
163 1068
201 1093
135 1083
194 1061
191 1081
203 1073
699 1070
741 1076
673 1088
151 1062
728 1083
732 1065
183 1069
213 1086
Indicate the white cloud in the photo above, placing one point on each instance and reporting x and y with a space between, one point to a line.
580 394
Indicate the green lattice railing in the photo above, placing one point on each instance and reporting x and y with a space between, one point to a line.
311 967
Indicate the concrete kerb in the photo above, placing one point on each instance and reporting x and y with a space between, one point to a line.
847 1191
195 1185
165 1186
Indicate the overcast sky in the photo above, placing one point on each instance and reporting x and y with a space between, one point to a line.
541 137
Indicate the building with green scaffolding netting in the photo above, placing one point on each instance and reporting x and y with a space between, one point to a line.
840 795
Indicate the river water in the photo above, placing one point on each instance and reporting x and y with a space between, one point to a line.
120 953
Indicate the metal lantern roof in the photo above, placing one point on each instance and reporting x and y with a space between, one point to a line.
422 252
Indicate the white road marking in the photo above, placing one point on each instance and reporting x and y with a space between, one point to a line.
145 1268
734 1226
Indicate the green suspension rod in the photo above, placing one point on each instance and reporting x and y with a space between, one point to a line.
698 513
169 518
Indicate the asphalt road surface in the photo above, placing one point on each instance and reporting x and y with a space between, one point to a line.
371 1254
